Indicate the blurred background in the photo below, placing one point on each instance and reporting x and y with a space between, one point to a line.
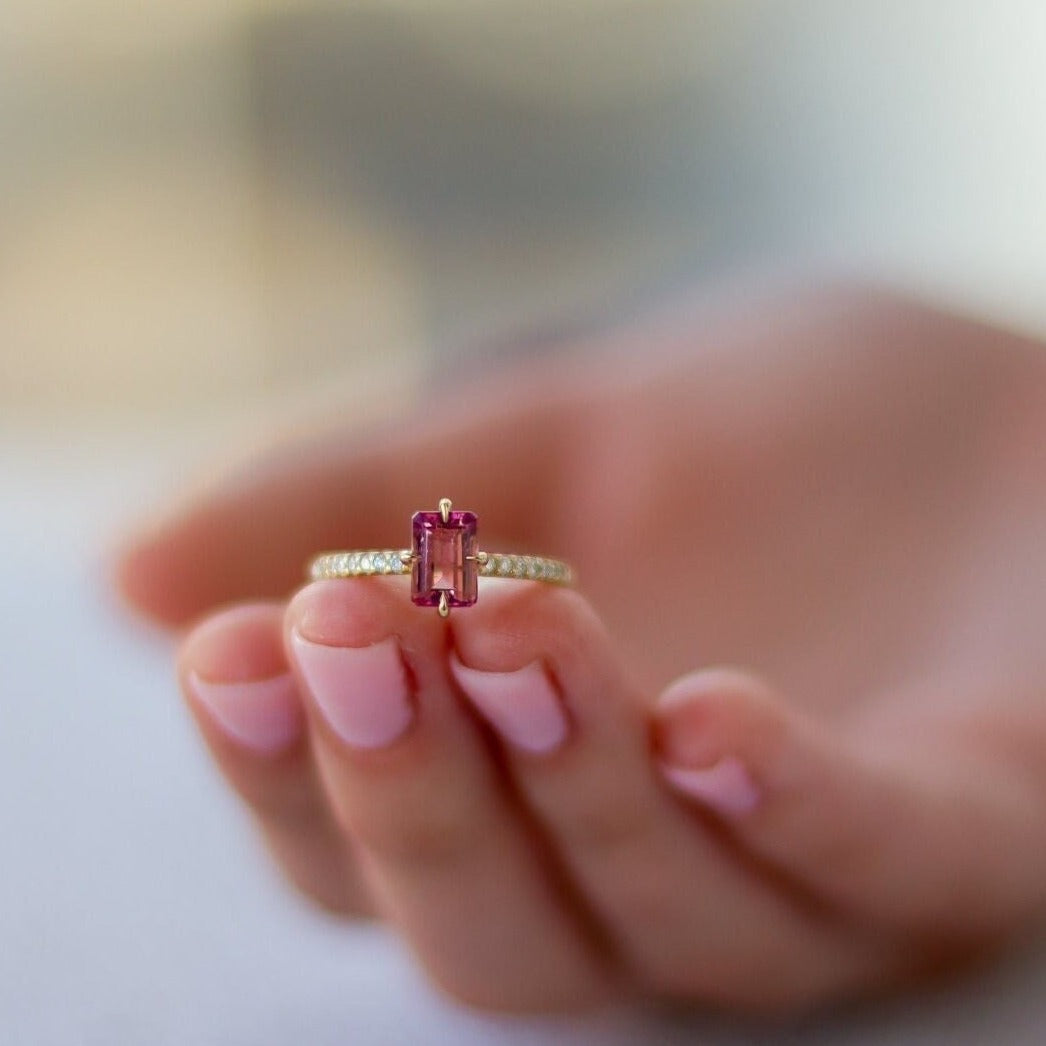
217 215
202 201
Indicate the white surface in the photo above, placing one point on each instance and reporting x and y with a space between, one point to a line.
135 906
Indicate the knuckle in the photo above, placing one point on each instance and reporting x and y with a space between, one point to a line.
602 826
743 983
416 839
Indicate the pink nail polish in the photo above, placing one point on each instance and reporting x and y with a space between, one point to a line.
726 787
520 705
362 692
263 715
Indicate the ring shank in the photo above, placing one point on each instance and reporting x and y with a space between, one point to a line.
372 562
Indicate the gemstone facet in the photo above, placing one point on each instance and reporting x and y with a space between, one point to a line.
444 556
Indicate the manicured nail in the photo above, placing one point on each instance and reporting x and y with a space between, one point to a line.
263 715
725 787
520 705
362 692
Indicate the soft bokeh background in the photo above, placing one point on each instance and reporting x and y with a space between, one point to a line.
206 199
218 216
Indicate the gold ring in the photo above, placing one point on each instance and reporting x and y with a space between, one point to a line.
443 561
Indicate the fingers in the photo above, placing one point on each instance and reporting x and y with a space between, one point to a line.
489 895
238 685
411 779
251 536
691 919
898 830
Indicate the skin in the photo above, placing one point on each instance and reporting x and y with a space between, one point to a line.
841 496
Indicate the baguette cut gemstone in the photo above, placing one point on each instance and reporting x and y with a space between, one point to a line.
444 559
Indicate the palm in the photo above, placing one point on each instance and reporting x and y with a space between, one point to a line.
834 528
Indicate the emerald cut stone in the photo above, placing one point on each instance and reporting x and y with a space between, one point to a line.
444 557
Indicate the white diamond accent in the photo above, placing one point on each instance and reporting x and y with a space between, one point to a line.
396 561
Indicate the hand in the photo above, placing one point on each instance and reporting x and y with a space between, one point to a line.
551 795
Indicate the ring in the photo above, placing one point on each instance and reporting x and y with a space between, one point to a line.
443 561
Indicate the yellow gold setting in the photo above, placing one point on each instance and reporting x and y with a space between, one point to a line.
372 562
444 560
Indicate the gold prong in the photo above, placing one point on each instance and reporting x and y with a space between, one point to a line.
406 557
481 558
444 606
444 509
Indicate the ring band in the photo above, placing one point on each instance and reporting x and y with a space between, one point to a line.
443 561
369 562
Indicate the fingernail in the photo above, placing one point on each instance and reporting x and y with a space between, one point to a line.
520 705
726 787
362 692
263 715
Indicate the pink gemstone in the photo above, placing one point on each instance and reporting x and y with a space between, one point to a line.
444 559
